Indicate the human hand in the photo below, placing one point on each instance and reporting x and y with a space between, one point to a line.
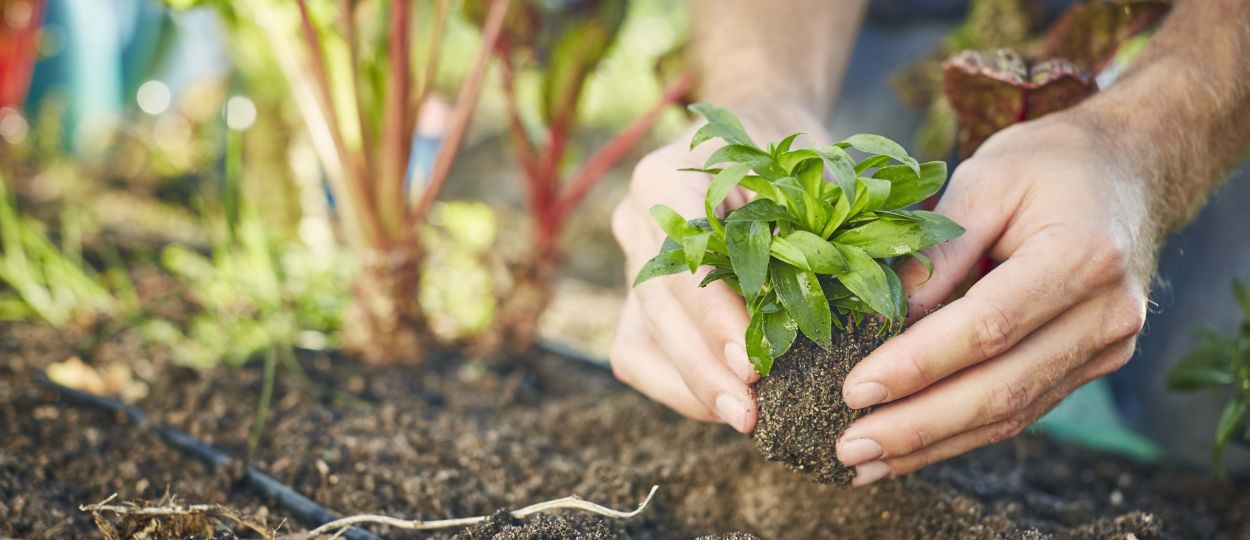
1069 221
677 343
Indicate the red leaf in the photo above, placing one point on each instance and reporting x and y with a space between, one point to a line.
1089 34
992 90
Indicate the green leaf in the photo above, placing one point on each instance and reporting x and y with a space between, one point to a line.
695 247
876 193
926 261
720 123
811 174
1243 297
874 161
788 253
759 210
843 169
866 279
748 243
888 237
800 293
791 159
784 146
763 188
1208 366
1234 415
758 350
722 184
716 275
820 255
780 329
673 224
908 188
664 264
896 294
841 209
876 144
738 153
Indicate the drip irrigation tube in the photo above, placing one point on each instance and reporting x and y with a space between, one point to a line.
302 508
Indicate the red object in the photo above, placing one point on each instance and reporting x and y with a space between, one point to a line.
19 33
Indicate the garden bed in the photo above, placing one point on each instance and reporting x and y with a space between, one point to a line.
455 439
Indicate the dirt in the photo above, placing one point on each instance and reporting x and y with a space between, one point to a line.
456 439
801 412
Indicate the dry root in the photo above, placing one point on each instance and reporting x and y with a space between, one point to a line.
572 502
167 519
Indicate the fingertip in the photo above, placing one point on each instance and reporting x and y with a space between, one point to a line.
738 361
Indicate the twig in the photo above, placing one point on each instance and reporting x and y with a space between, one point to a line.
572 502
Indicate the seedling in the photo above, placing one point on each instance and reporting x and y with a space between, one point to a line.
1221 362
806 254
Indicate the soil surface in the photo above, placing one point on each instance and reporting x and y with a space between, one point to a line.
801 414
454 439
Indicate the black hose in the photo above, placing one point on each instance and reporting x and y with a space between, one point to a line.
301 507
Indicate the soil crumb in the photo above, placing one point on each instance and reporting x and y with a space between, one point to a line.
502 526
801 410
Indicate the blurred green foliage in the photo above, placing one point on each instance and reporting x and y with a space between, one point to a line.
1222 363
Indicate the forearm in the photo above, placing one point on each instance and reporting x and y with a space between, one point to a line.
789 56
1181 114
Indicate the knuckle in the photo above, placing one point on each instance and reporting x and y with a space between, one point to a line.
993 332
919 436
1107 262
921 372
1006 398
1116 358
1125 318
616 359
1008 428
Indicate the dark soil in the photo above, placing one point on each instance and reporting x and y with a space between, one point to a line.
801 412
454 439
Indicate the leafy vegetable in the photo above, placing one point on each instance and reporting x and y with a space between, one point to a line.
1219 363
808 253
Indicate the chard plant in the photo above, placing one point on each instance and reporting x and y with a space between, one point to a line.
359 72
1221 363
806 255
564 45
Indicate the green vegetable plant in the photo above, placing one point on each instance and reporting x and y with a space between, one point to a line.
1221 362
806 254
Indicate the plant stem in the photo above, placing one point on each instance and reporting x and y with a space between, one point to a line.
611 152
266 397
462 113
347 18
396 142
355 181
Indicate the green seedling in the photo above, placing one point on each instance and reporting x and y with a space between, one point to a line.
806 254
1221 362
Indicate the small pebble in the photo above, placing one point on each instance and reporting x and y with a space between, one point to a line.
1117 498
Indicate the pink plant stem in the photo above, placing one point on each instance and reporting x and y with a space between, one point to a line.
516 130
396 142
431 64
615 149
347 18
462 113
358 195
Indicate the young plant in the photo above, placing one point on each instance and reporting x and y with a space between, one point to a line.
565 46
1221 362
806 254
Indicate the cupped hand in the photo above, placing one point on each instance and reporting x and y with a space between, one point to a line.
680 344
1069 221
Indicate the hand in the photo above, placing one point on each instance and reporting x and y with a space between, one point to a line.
1069 222
677 343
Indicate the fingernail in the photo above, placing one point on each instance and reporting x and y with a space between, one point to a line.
864 394
857 451
870 472
732 410
736 357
